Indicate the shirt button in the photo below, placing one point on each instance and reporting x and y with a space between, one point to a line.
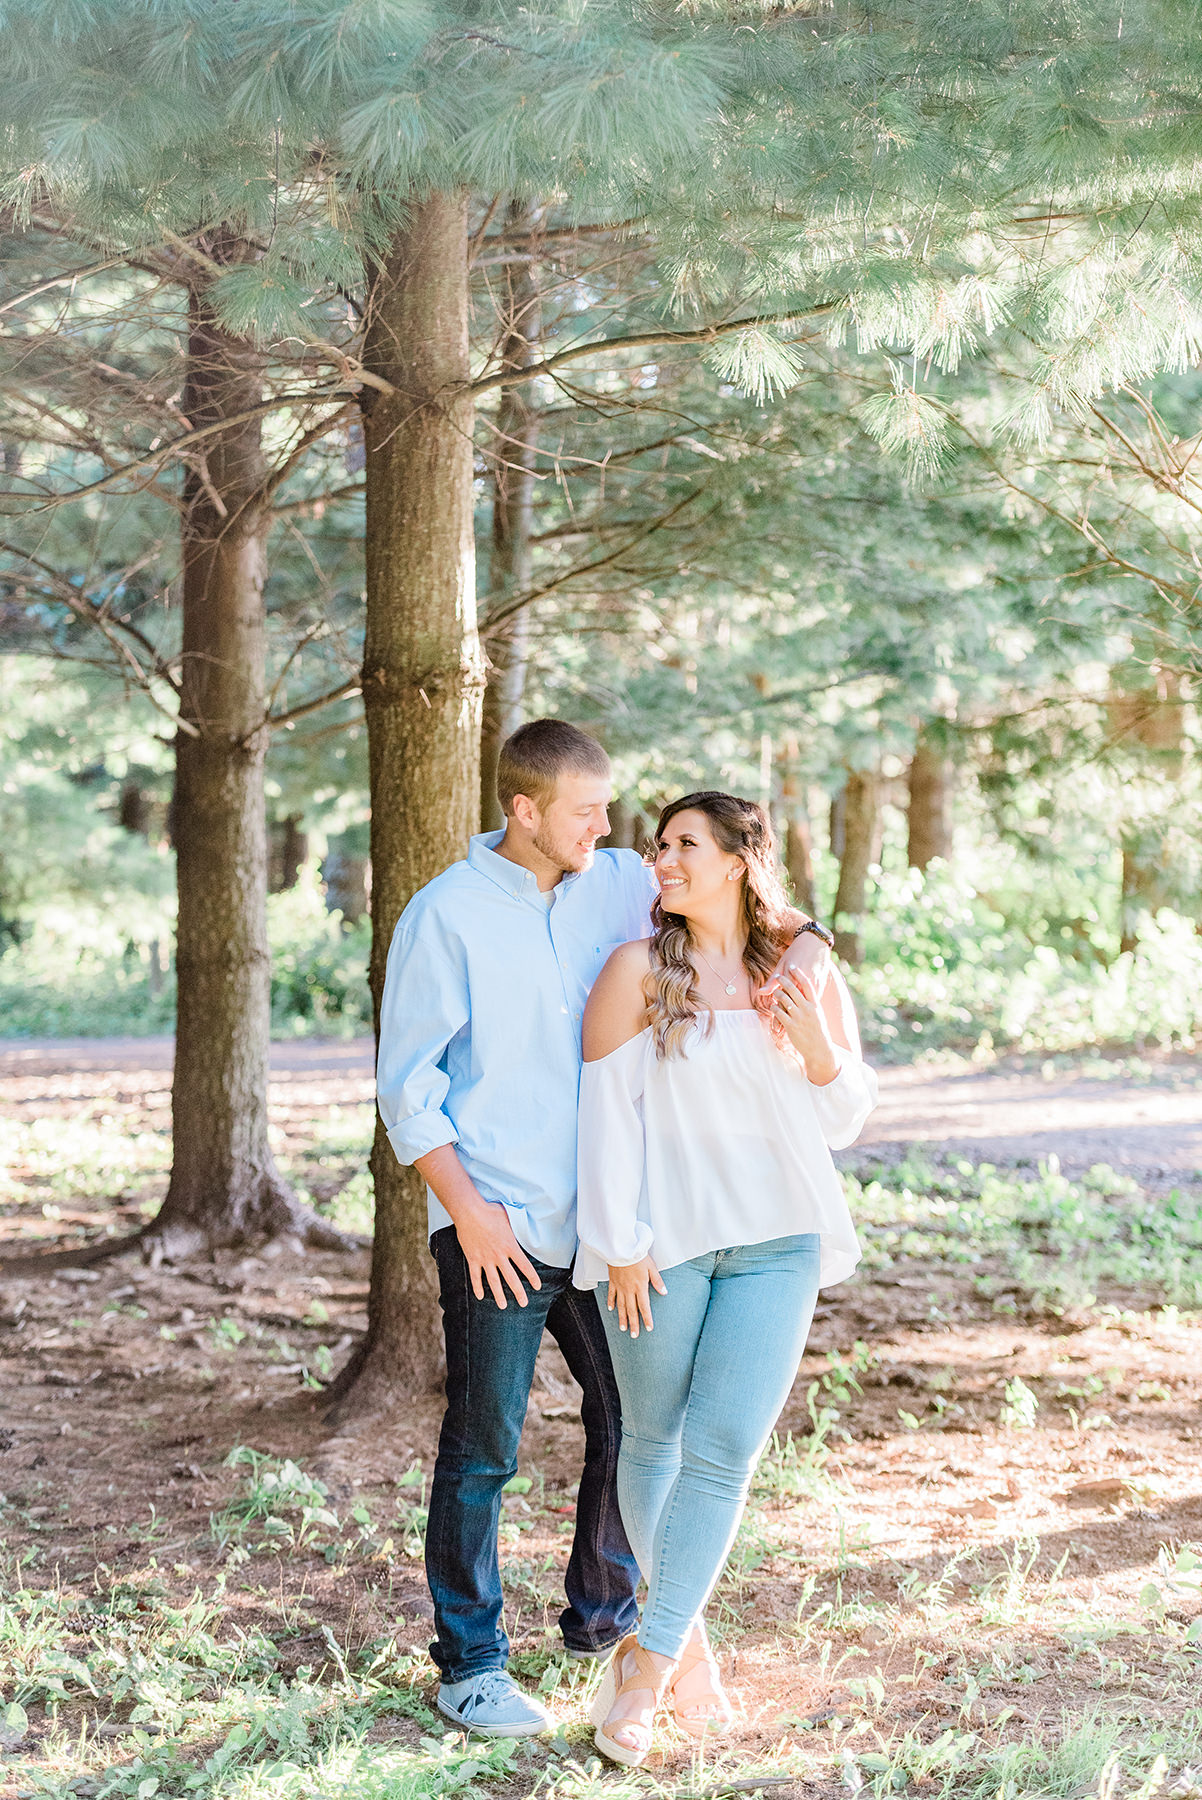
563 1009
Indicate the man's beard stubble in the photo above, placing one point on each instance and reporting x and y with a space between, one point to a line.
555 853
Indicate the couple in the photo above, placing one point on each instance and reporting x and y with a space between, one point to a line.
721 1059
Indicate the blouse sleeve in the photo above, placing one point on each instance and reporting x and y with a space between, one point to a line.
844 1104
611 1156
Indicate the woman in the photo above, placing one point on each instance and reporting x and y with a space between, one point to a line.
710 1094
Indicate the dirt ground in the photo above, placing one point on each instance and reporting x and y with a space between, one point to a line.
124 1389
1147 1123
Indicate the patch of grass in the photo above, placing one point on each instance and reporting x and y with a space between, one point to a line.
1097 1755
74 975
191 1704
1058 1243
63 1162
89 1157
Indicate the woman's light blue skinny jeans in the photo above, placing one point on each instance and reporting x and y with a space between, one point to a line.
700 1395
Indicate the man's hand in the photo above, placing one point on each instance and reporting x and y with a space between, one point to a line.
493 1253
629 1294
482 1226
808 954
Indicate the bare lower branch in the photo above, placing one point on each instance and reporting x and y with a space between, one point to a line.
306 707
518 602
55 281
114 631
182 445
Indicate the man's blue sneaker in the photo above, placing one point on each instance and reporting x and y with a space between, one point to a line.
493 1704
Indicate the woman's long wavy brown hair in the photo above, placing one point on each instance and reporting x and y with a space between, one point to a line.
674 1002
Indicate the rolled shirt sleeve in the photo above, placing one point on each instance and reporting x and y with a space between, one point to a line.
425 1004
611 1212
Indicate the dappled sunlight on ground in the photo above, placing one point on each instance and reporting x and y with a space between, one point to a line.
966 1546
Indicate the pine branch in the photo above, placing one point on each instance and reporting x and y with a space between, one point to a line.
299 451
1082 526
96 614
68 280
477 238
180 446
301 506
1166 481
518 602
567 234
352 369
703 334
96 240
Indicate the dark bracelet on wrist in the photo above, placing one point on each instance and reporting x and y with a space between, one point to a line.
820 931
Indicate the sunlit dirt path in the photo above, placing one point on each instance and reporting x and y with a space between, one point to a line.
1147 1125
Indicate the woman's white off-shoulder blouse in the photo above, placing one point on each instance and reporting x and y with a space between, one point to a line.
729 1144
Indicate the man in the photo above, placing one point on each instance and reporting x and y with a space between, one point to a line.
478 1073
479 1066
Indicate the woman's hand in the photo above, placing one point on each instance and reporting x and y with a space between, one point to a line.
797 1006
629 1294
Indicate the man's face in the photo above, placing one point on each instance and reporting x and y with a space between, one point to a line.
568 825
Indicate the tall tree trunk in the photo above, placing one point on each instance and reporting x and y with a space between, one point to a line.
799 858
287 848
860 812
133 809
224 1185
621 825
1151 717
422 685
930 800
516 452
346 872
798 838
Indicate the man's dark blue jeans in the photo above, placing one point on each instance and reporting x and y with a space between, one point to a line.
490 1366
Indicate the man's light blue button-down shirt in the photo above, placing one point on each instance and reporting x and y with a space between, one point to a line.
480 1027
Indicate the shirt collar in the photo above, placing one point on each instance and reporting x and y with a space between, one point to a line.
482 856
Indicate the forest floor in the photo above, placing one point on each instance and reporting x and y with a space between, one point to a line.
971 1564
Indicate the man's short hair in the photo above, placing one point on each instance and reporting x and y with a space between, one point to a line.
537 754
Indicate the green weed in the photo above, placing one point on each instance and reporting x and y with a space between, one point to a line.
280 1500
1059 1242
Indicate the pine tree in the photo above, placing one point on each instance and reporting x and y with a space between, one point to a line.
224 1187
608 110
858 172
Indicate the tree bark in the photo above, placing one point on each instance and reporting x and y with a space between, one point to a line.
347 876
930 801
288 847
860 815
799 859
621 825
516 454
224 1186
798 839
133 809
1152 718
422 686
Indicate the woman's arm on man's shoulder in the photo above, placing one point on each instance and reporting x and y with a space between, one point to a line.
617 1006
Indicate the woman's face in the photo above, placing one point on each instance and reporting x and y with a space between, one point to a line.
694 873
